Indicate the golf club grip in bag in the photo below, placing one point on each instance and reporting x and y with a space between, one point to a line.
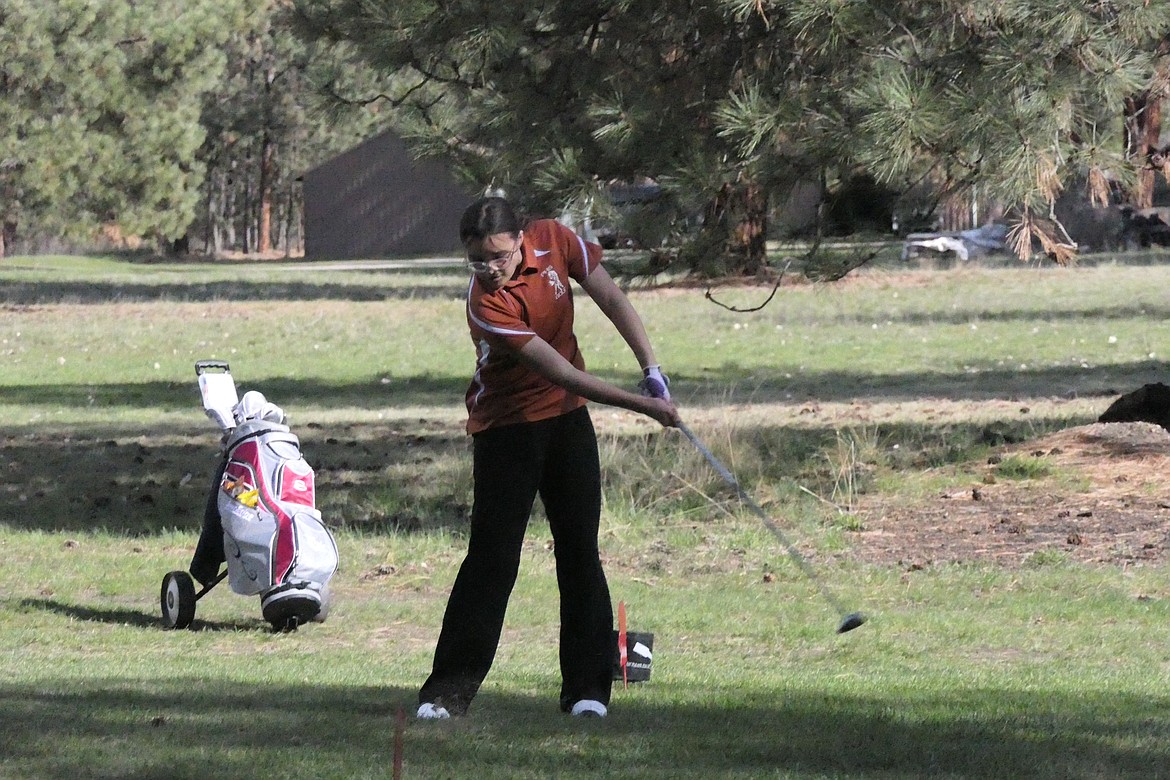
275 542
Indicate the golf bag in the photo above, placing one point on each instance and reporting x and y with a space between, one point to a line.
260 518
274 540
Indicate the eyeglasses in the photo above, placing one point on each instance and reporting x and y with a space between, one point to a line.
495 262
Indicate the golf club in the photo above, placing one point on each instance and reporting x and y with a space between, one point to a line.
849 620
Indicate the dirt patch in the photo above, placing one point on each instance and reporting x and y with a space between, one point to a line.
1106 501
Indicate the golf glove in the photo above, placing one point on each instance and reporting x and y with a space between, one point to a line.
654 383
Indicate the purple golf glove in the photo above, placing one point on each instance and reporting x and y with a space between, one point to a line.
654 383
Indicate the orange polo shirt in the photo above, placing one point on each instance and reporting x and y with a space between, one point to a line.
537 301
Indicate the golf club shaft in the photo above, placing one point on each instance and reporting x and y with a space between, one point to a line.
770 524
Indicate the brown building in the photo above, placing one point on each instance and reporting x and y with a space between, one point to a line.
377 201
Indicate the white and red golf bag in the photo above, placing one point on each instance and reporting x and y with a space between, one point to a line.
275 542
260 519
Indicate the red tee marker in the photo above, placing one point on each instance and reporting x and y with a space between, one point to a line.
622 655
399 727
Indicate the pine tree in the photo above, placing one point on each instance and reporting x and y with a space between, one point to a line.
100 107
552 102
1022 98
735 101
266 124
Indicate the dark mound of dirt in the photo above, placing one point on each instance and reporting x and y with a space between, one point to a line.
1149 403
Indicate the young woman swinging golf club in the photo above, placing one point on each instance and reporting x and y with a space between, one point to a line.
532 435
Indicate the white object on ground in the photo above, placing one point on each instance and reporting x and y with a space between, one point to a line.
942 244
428 711
590 708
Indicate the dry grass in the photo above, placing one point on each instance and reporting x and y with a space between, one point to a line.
1104 503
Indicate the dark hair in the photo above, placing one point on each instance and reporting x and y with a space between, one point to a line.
487 217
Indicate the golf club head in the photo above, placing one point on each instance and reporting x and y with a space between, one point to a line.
850 622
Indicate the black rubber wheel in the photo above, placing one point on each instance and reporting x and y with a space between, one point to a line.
178 599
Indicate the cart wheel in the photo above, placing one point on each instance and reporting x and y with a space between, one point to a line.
178 599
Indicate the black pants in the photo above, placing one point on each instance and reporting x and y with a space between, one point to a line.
556 459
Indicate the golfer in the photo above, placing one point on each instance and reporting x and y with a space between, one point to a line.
532 435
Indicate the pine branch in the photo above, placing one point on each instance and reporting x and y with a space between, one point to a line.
767 300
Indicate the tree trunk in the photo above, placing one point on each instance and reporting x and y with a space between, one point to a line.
7 236
732 238
287 222
297 201
216 211
230 196
1143 127
749 238
267 176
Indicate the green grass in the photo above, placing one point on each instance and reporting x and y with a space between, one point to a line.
1022 467
877 385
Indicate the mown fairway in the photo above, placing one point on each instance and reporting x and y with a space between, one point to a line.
885 384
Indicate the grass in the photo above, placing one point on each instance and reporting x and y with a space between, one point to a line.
1022 467
882 384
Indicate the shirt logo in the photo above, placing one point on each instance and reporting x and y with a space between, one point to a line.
554 281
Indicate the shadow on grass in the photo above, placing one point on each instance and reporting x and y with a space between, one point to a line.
97 480
46 293
199 727
408 477
290 394
733 383
404 476
138 619
966 316
716 385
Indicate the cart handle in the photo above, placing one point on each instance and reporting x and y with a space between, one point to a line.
202 366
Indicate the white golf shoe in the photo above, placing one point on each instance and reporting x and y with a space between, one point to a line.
589 708
428 711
